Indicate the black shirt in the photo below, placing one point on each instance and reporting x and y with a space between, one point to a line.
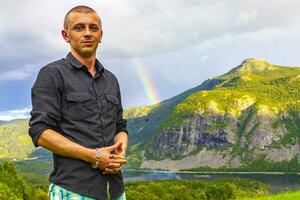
85 109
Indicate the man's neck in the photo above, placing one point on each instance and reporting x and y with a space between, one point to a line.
88 62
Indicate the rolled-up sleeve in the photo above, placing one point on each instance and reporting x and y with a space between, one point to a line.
121 122
46 103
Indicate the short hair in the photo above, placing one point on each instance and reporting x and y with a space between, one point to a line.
78 9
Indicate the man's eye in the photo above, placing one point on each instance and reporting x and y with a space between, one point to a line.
78 28
94 28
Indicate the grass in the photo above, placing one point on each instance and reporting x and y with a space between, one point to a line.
282 196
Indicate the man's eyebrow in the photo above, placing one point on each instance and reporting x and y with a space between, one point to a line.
94 24
78 24
83 24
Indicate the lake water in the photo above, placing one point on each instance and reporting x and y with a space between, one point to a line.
278 182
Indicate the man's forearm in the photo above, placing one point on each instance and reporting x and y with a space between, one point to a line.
122 137
61 145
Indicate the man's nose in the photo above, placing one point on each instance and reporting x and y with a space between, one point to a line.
87 32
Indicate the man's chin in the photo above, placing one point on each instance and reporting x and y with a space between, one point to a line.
87 53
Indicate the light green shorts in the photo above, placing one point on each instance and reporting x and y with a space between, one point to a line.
58 193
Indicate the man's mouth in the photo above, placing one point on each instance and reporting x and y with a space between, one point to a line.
88 42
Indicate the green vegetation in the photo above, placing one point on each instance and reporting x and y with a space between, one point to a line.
259 165
14 187
189 190
282 196
135 157
273 93
36 180
14 140
215 125
36 166
140 111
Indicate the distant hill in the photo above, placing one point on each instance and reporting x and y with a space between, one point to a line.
2 122
14 140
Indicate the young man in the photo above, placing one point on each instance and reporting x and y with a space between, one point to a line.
77 114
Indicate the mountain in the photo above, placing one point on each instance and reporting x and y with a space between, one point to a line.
247 119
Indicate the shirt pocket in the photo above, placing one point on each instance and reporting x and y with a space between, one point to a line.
111 104
80 105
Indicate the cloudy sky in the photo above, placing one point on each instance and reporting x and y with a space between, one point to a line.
157 48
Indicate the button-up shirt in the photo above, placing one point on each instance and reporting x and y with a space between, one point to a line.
85 109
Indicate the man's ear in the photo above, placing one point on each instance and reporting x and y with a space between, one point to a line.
65 36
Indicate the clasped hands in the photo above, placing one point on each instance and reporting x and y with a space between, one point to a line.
112 158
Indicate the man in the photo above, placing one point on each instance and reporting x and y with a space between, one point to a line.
77 114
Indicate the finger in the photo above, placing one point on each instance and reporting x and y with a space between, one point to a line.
114 165
116 156
119 161
113 147
108 171
117 170
114 171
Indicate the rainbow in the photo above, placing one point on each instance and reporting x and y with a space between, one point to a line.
149 87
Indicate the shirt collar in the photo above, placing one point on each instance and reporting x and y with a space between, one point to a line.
77 64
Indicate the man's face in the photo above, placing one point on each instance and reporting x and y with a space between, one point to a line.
84 33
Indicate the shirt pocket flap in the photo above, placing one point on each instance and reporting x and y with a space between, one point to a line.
112 99
76 97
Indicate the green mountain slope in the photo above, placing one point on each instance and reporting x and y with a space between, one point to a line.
14 140
250 117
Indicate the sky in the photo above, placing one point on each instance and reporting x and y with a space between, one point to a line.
157 49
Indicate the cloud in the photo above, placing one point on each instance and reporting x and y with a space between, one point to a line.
15 114
18 74
137 28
